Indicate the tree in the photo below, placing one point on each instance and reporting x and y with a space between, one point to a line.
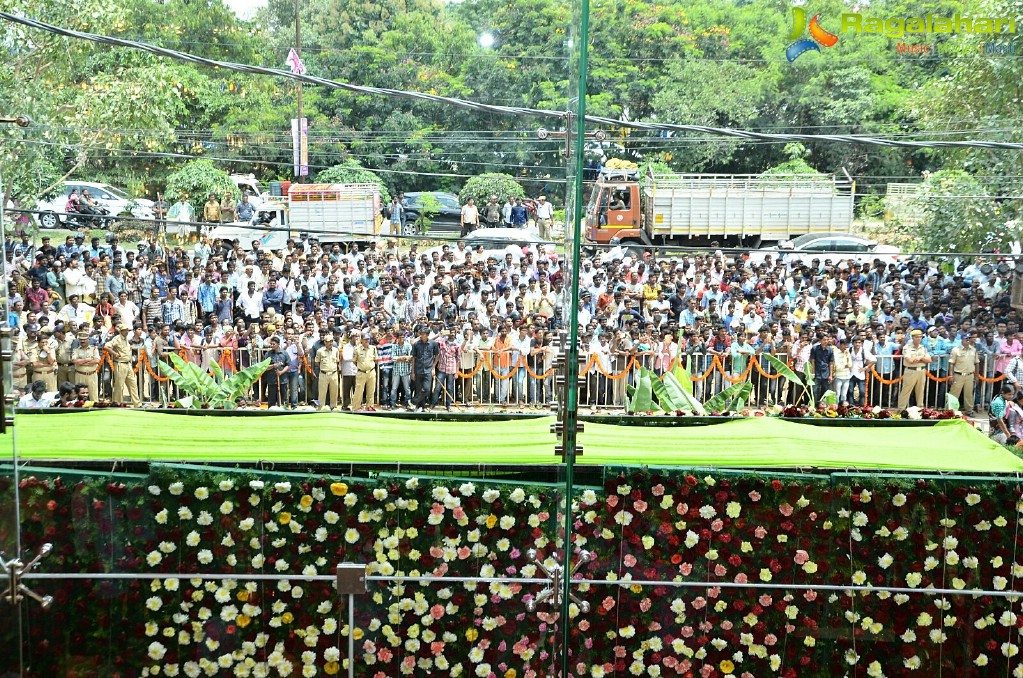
483 186
196 180
957 218
351 172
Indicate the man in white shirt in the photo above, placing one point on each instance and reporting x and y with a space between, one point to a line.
250 302
544 217
126 309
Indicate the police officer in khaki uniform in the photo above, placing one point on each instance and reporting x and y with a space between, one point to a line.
65 343
964 361
915 360
42 362
120 352
366 374
328 360
85 358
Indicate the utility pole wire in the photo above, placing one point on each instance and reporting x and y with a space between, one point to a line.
502 110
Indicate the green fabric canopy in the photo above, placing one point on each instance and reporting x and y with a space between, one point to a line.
759 442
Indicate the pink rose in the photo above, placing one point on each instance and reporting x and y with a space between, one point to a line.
436 647
717 525
687 632
437 611
464 553
644 605
639 505
686 569
608 603
785 509
801 557
436 551
657 490
655 626
612 501
765 600
726 625
719 570
699 603
682 509
789 628
770 639
741 578
754 496
810 596
619 651
760 532
584 625
706 670
670 662
629 560
458 513
437 508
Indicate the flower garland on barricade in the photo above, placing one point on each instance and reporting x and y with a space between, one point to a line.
672 526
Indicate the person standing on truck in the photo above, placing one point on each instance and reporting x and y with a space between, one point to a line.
544 217
470 217
492 213
245 209
211 210
397 216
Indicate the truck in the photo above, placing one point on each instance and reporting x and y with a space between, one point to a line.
712 210
332 213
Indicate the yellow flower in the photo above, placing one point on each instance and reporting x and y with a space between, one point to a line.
491 521
243 596
510 673
284 518
287 617
726 666
331 668
242 620
338 489
358 633
306 501
471 635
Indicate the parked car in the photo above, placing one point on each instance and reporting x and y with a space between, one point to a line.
833 246
496 242
447 218
115 200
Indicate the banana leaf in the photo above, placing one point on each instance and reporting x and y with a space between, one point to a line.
781 368
238 385
829 398
679 398
808 384
681 374
725 400
641 398
189 377
218 371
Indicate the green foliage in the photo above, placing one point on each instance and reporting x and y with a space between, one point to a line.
485 185
796 163
196 180
429 206
351 172
954 219
211 391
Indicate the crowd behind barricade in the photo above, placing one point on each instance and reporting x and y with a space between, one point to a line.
388 324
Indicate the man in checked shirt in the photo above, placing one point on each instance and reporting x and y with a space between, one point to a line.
447 368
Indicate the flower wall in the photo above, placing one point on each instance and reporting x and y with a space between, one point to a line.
797 532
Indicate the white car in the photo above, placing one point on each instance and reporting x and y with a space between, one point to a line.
831 246
116 201
498 241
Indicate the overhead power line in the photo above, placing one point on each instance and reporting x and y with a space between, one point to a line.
503 110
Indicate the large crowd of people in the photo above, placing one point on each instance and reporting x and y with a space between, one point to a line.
390 324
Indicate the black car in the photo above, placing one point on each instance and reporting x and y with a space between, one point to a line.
447 218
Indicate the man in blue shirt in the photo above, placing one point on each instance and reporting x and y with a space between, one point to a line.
822 357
